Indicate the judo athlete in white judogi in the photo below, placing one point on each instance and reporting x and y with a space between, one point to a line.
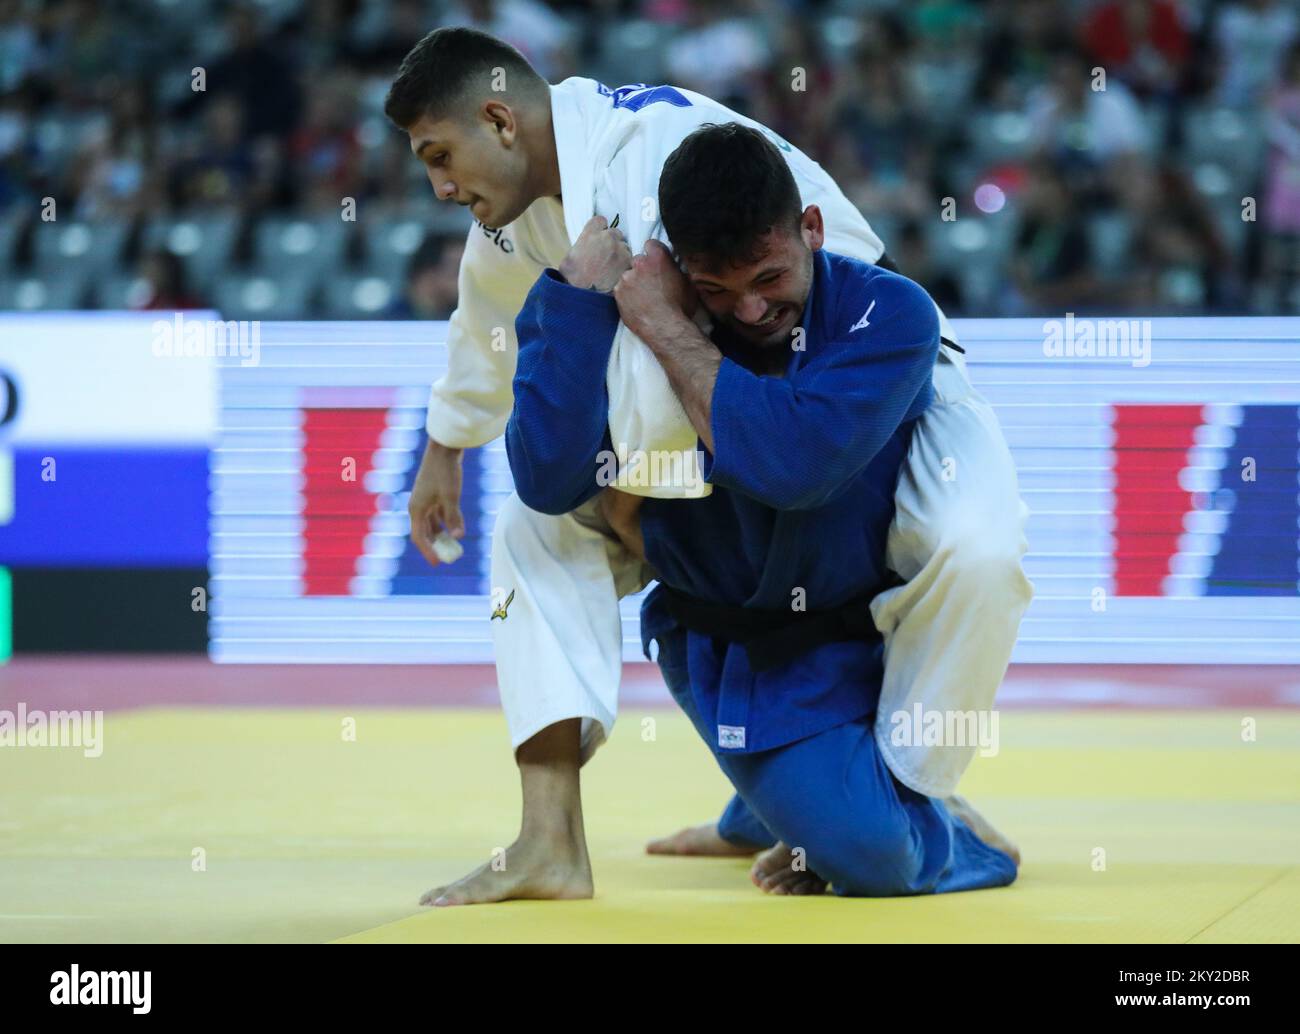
535 164
803 447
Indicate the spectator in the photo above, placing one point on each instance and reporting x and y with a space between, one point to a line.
405 24
908 251
431 276
115 166
165 280
324 155
258 77
1019 52
1051 267
794 94
1142 42
1080 117
1251 38
101 116
529 26
20 51
1178 261
720 54
1281 214
222 172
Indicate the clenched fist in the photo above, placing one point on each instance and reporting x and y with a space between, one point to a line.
598 258
653 291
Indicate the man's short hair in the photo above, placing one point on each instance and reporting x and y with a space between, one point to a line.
453 67
722 190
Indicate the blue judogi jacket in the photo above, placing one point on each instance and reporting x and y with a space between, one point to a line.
804 475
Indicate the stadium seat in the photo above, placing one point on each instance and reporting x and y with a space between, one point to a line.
1109 234
76 246
55 293
632 52
120 292
357 297
285 297
308 244
390 243
1235 230
1233 139
203 242
964 240
999 136
11 224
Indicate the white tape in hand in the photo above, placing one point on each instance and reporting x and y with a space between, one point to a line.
447 549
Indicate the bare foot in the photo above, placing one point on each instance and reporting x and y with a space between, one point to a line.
981 827
778 870
700 841
533 867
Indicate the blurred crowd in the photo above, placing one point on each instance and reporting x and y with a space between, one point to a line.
1016 156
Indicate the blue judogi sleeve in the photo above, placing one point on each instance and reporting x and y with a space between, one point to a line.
560 421
793 443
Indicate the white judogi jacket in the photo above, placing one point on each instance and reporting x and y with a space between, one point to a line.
612 146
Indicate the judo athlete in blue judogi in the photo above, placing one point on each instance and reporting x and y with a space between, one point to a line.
804 393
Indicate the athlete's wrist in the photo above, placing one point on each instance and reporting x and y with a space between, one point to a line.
670 328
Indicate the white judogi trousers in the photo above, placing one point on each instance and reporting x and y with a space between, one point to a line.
957 540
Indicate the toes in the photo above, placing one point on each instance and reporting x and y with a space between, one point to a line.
678 843
780 881
809 886
469 891
430 896
770 862
783 877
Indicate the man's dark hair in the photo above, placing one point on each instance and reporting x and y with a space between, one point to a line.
451 65
429 254
722 190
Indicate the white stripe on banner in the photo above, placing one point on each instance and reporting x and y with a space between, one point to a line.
106 379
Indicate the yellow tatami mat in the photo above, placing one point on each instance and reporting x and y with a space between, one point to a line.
262 825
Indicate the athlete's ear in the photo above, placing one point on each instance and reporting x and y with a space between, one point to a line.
812 229
502 120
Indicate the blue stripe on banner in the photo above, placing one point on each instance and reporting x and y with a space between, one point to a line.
108 507
1258 551
414 576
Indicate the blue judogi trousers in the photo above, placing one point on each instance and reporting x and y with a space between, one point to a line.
833 795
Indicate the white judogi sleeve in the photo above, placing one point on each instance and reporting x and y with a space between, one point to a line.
470 404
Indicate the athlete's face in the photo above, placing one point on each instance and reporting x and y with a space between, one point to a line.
764 300
476 162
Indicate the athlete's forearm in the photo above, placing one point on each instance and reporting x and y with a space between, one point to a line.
691 362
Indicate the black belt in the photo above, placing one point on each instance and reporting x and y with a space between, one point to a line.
772 637
885 262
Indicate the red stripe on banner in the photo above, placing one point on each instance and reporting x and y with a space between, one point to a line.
1151 444
337 510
